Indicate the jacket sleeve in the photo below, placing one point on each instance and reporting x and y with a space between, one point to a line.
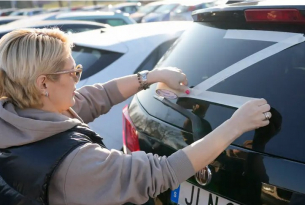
99 176
93 101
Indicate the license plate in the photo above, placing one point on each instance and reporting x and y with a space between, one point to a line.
188 194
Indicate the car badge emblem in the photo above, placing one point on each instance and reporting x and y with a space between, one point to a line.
204 176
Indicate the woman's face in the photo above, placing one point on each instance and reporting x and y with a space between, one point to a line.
61 92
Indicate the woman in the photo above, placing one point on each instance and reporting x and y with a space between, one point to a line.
48 154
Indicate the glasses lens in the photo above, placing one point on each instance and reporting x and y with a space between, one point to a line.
78 73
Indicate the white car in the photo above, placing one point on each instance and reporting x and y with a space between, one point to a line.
118 51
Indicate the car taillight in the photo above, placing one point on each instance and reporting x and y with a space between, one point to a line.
274 15
130 136
191 8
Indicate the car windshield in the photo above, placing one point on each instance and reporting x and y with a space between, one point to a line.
147 9
181 9
16 13
166 8
93 60
184 8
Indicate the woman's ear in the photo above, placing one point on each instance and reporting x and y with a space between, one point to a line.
41 84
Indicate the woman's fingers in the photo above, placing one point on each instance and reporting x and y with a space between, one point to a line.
260 102
183 79
265 108
265 123
175 79
252 115
266 116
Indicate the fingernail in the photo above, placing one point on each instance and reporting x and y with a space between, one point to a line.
187 92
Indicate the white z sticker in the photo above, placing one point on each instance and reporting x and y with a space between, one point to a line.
200 91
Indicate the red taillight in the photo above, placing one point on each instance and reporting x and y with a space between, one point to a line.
274 15
130 136
191 8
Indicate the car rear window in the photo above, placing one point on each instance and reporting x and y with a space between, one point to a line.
206 50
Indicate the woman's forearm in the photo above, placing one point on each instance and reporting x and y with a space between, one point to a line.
129 85
205 150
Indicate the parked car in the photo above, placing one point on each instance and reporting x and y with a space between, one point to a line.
9 19
93 8
129 8
184 11
145 10
232 54
68 26
116 52
162 13
27 12
111 18
59 9
36 18
6 12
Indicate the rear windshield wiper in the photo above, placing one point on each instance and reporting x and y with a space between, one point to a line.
195 120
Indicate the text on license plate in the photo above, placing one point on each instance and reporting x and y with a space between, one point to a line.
188 194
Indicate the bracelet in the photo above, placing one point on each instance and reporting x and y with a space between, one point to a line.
142 78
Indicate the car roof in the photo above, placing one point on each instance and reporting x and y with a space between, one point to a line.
58 8
112 38
12 17
86 13
268 3
35 18
159 3
126 4
30 9
70 22
9 9
196 2
94 6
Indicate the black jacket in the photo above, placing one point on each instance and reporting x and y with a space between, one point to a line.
26 171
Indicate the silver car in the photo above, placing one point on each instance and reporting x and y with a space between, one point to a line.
184 11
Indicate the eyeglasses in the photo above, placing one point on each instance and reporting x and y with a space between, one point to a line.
76 72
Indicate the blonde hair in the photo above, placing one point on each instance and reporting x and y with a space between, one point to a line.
25 54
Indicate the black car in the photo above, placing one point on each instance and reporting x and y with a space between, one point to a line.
231 54
68 26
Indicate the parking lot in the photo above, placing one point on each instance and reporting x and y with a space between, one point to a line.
230 52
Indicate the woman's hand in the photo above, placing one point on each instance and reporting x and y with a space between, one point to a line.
172 77
251 116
